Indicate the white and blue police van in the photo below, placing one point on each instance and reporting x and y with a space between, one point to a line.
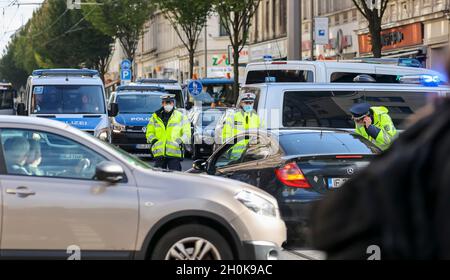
137 103
73 96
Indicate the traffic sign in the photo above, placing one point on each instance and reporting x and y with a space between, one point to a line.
125 65
195 88
125 77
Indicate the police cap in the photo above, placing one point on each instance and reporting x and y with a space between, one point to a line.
359 110
168 98
248 97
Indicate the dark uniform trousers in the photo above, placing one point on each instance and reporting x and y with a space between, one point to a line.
168 163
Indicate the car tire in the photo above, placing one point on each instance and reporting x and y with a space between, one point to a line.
191 235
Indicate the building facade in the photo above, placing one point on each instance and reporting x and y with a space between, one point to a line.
413 29
161 54
269 30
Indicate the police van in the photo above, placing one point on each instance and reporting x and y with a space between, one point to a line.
74 96
293 105
137 103
327 72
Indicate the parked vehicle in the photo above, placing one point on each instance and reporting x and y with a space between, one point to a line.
204 122
217 92
73 96
136 105
328 72
86 194
169 86
7 96
296 166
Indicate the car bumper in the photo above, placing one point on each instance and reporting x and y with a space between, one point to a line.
261 250
262 237
297 216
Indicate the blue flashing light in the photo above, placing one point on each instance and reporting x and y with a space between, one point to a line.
424 80
430 80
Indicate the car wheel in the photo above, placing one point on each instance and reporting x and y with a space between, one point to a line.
192 242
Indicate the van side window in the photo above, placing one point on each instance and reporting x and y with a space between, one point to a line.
331 108
345 77
280 76
318 109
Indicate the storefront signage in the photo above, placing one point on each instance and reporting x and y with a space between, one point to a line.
394 38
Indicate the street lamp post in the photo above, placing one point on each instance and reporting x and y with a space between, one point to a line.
206 51
294 29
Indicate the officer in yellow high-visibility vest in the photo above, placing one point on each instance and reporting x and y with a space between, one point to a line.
242 121
374 124
167 131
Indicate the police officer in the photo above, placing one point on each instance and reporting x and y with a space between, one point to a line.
374 124
167 131
243 120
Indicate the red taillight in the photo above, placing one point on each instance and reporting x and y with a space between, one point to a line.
346 157
291 176
279 62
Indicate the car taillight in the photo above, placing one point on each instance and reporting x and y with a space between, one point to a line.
279 62
292 176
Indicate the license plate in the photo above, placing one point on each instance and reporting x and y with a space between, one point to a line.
335 183
143 146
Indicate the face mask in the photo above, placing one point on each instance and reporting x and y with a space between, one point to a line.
247 108
168 108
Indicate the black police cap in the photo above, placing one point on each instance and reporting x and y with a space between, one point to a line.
360 109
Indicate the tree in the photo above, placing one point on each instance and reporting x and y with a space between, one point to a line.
188 18
236 17
122 19
374 16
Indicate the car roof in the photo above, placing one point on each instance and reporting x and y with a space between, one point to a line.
331 86
35 121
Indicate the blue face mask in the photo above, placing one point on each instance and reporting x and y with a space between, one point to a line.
247 108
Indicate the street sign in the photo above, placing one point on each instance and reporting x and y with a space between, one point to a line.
195 88
125 65
321 31
125 77
267 57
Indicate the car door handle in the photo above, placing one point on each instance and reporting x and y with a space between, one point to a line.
21 191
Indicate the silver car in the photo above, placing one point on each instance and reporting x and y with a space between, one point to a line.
65 194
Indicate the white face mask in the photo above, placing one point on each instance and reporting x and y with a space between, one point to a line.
168 108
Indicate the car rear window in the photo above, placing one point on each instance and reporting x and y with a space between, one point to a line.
279 76
331 108
316 143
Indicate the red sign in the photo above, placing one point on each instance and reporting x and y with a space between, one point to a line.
394 38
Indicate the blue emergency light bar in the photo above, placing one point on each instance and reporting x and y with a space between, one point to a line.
425 80
65 72
140 88
156 81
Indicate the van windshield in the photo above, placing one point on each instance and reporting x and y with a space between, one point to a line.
68 99
138 103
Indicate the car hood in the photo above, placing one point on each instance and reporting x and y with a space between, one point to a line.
178 184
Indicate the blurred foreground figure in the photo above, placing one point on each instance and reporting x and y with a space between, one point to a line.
400 203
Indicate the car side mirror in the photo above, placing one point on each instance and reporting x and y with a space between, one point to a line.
21 109
200 165
113 110
109 172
